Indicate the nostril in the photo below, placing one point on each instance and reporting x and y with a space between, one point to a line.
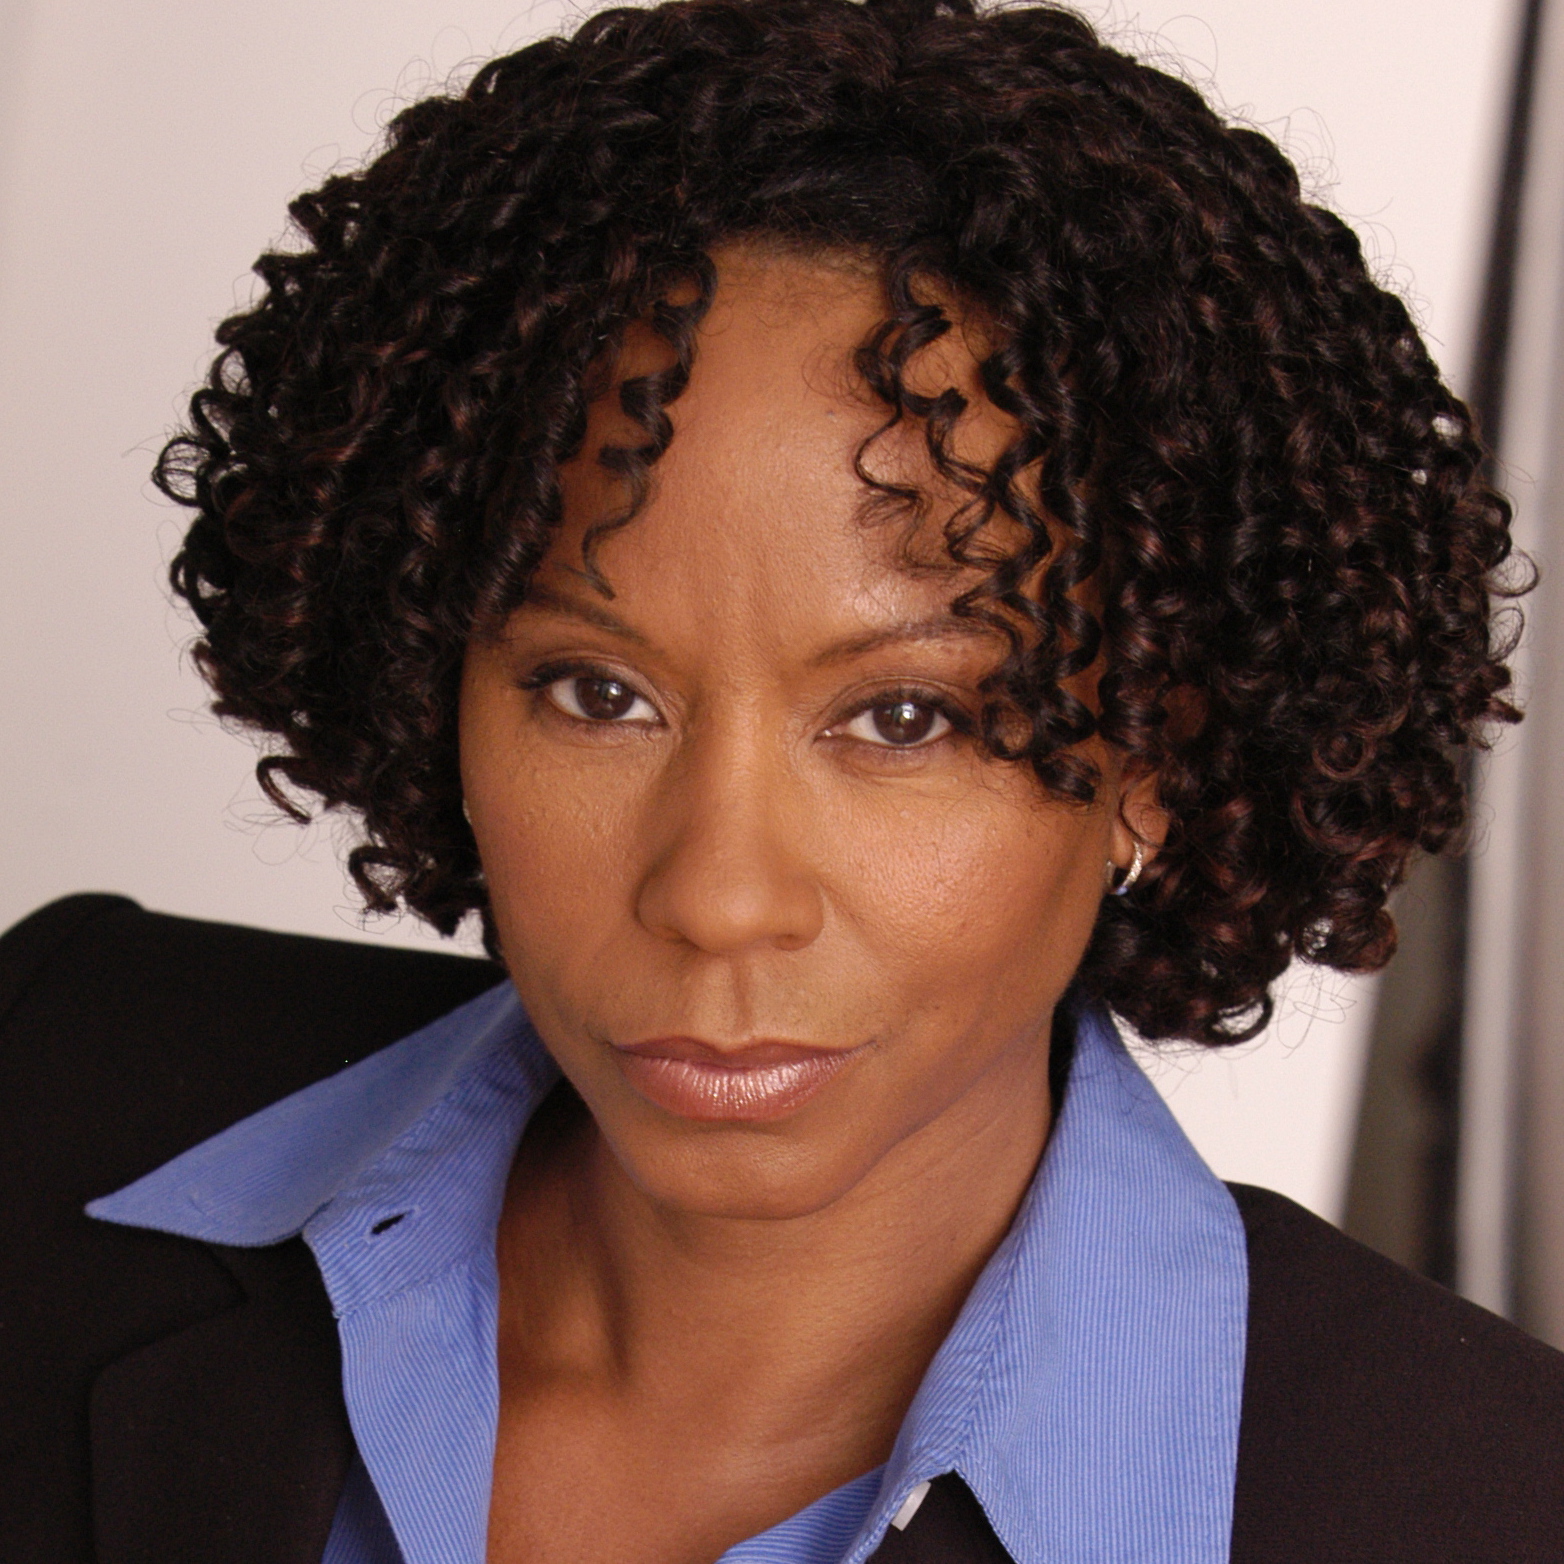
386 1223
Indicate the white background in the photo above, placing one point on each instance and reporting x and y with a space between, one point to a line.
147 149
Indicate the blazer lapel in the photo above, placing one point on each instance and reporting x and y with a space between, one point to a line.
227 1440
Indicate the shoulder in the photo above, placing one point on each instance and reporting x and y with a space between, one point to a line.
1384 1418
126 1037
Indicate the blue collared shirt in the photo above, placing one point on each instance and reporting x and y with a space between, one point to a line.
1088 1393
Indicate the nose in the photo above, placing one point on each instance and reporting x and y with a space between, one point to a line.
729 876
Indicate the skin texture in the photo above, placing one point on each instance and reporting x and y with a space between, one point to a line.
707 1324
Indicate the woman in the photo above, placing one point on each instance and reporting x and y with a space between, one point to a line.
859 540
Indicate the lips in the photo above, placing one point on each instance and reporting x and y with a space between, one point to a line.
759 1081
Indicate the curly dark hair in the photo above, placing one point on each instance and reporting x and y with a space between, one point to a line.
1224 424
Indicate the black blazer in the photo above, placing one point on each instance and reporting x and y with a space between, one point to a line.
174 1402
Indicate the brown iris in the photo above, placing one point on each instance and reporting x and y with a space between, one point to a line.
605 699
904 722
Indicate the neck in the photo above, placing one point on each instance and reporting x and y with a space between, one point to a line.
815 1327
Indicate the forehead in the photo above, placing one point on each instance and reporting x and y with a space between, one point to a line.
756 508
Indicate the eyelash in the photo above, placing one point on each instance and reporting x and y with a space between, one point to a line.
957 719
542 679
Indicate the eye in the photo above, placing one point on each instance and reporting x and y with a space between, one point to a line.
596 697
900 723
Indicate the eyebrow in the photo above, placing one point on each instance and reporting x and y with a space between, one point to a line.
539 596
939 627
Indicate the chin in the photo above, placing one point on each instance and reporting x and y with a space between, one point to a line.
740 1173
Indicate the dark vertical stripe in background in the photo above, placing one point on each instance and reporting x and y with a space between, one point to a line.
1485 384
1401 1193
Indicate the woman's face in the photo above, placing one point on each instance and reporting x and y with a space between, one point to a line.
783 925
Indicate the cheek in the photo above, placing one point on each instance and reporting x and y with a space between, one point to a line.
559 857
557 830
993 887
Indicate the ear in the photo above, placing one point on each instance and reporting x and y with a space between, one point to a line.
1139 820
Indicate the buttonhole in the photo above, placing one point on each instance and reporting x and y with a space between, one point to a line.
386 1223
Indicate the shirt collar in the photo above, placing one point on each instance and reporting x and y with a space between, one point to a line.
1088 1394
262 1179
394 1171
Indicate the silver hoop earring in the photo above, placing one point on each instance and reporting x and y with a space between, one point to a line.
1137 863
466 812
